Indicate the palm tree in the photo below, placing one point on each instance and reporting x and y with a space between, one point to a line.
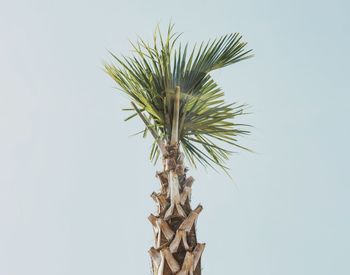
182 107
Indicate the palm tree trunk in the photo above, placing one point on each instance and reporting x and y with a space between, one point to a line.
176 250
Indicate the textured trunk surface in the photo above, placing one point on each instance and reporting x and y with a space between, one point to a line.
175 249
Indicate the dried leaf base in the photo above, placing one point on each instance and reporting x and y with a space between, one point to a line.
175 249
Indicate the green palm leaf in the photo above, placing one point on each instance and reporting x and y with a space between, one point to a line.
206 122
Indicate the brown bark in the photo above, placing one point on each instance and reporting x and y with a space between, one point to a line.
175 249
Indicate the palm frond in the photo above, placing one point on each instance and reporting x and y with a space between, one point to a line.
206 122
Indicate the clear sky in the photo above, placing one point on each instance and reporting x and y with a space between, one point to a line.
74 186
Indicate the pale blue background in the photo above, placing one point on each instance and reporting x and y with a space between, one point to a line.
74 187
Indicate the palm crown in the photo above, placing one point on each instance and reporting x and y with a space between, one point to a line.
165 73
